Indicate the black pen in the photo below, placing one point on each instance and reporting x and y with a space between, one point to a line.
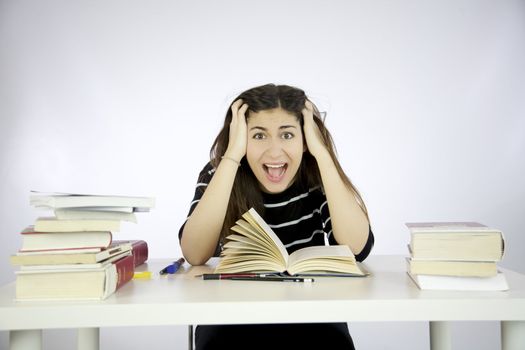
172 268
253 277
226 276
272 279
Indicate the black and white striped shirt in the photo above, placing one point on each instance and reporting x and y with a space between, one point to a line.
299 217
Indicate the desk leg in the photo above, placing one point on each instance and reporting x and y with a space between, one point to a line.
25 340
88 339
440 335
512 335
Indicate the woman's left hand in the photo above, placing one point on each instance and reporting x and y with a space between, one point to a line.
312 134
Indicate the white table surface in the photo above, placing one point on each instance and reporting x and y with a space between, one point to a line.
181 299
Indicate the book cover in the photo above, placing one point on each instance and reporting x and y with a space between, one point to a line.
254 247
497 282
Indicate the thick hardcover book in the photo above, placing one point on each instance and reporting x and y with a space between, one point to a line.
254 247
43 241
73 256
74 283
468 241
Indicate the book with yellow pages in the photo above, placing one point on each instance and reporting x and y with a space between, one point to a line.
466 241
452 268
254 247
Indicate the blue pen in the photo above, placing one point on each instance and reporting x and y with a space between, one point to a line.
171 269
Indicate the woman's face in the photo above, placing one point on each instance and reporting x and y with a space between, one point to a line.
275 148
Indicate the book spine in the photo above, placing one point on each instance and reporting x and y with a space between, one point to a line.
125 270
140 252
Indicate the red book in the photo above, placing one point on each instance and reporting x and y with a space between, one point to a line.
139 250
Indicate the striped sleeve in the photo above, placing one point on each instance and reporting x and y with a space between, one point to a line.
202 183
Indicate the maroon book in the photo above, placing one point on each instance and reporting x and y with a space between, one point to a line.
125 270
139 250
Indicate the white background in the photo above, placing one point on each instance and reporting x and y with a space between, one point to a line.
425 100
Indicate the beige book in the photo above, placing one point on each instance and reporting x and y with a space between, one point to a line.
468 241
74 256
52 224
66 283
452 268
33 241
86 214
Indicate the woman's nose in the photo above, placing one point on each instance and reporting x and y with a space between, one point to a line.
274 148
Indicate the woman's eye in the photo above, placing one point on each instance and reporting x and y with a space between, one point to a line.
258 136
287 135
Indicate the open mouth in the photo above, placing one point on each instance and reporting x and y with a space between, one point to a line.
275 171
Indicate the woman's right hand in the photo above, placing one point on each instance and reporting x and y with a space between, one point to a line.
238 131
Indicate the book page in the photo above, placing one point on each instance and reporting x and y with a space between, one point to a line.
322 251
324 260
246 245
254 233
253 264
255 218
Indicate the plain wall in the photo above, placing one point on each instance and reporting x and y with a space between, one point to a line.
425 101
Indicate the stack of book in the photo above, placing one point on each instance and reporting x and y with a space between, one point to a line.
455 256
72 255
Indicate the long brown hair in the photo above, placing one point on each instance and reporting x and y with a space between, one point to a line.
246 192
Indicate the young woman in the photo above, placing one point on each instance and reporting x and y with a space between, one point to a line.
275 154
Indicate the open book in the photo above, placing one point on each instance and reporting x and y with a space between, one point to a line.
254 247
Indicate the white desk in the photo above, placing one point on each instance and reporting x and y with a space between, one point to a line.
181 299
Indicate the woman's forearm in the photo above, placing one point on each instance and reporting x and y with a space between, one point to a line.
349 222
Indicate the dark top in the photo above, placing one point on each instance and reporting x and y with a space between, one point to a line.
298 216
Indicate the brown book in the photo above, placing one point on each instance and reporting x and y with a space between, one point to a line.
74 283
